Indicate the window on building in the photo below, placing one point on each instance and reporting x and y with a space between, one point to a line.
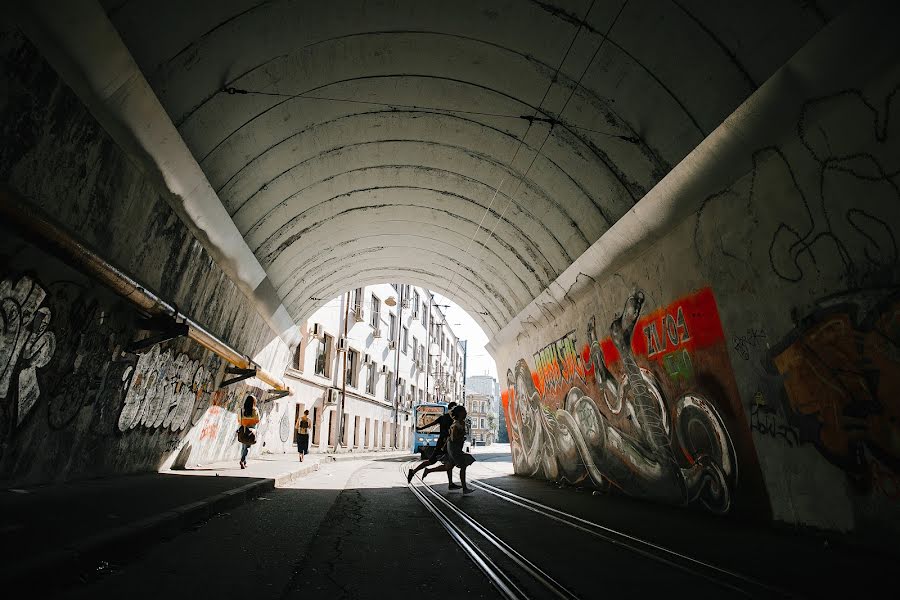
323 350
412 393
356 300
352 367
404 340
388 385
415 305
370 379
392 334
402 395
415 348
299 355
482 423
375 309
424 316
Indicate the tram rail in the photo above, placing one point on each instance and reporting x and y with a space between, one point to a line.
724 577
447 513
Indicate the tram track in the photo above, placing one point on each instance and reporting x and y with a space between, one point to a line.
466 530
738 582
505 584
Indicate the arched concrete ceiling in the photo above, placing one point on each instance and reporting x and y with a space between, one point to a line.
385 141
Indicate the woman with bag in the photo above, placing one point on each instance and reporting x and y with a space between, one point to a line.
303 435
247 420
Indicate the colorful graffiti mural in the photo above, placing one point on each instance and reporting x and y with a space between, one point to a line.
841 369
647 410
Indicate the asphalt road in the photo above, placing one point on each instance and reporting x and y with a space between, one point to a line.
351 530
354 530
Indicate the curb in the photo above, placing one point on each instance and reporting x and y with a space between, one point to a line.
286 478
73 562
343 456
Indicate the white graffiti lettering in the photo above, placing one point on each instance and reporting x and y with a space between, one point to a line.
26 342
161 391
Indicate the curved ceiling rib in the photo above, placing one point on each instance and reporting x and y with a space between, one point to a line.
546 203
435 273
512 288
270 187
259 170
423 142
298 241
631 187
533 232
469 297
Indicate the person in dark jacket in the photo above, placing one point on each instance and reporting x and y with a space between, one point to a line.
440 448
455 442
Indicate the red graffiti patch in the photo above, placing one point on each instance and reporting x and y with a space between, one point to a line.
689 323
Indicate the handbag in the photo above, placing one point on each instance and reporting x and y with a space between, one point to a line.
246 436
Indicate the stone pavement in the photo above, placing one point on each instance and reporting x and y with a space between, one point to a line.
70 527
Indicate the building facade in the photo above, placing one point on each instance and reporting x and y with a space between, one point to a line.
366 358
485 413
481 418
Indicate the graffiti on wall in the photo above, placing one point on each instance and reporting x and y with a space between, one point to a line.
62 350
163 389
557 364
846 221
841 369
648 407
772 421
26 342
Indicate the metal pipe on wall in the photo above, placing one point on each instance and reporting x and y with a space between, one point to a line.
32 223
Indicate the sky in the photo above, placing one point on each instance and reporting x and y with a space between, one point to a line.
478 361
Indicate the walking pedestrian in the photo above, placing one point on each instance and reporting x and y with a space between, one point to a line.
457 438
303 435
247 421
440 448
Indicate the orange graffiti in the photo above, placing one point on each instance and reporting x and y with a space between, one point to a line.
847 377
210 423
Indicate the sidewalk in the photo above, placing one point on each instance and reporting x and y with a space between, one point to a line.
63 530
281 468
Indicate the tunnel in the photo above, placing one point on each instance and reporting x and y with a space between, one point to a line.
675 221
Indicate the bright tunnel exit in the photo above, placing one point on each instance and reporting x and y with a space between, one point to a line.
371 355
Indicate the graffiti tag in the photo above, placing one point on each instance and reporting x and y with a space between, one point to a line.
26 342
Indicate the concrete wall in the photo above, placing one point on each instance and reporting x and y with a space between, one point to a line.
747 361
73 403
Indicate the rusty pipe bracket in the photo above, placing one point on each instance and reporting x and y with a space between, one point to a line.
276 394
167 331
168 327
242 374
